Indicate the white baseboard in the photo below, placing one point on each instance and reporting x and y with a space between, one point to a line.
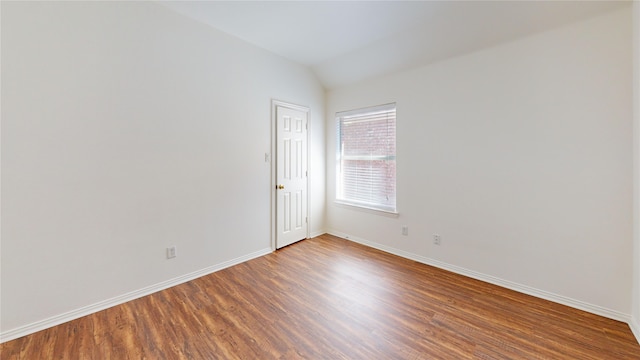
594 309
634 324
90 309
316 234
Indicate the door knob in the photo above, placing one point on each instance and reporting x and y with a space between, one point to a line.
280 186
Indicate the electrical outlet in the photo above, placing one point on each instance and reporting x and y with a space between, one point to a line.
405 230
437 240
171 252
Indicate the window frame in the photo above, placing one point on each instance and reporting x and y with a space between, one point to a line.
383 208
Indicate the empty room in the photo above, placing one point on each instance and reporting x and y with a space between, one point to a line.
320 180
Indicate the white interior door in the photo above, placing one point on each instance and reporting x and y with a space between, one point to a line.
291 175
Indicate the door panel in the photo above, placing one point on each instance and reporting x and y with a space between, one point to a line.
291 175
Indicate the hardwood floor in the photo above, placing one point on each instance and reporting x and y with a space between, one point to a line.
328 298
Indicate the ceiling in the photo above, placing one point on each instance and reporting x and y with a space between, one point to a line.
344 42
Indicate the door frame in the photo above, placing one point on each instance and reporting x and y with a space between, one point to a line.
274 159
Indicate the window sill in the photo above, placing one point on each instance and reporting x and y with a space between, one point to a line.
362 208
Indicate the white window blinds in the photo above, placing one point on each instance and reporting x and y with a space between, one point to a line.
366 164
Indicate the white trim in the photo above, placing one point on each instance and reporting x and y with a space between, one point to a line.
369 110
317 233
635 285
560 299
372 210
634 324
308 128
105 304
274 105
289 105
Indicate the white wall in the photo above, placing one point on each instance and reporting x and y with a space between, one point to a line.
635 324
519 157
127 128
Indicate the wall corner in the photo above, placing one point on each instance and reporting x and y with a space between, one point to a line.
635 311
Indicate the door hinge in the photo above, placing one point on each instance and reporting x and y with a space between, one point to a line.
306 125
306 173
306 220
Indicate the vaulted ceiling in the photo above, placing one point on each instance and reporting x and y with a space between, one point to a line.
348 41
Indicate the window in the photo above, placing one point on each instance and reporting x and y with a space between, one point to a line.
366 164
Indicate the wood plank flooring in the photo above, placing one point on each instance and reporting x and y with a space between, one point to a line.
328 298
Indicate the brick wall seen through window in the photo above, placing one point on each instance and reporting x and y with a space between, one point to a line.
367 158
